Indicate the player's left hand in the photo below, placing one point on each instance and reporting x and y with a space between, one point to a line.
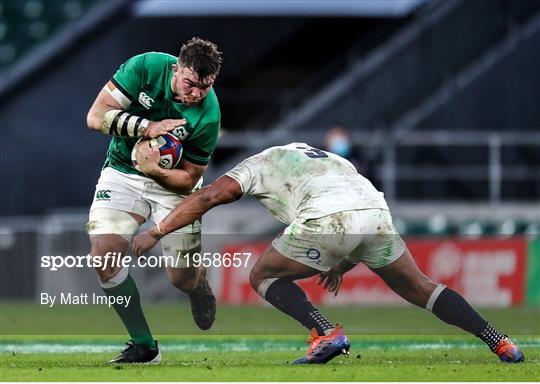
142 243
332 280
147 157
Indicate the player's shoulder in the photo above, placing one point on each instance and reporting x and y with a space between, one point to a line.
212 104
151 63
158 57
211 114
155 61
279 157
280 150
155 57
270 155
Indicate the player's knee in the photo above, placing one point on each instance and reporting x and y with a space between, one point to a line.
108 245
184 282
106 274
426 288
260 281
106 251
422 292
186 285
255 278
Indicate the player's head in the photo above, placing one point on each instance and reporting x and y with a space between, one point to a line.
198 65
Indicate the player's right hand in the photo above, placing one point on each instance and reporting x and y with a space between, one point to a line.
332 280
158 128
143 242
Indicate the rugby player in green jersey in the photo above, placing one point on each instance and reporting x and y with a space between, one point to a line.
151 94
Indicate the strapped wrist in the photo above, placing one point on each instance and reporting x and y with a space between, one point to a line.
159 230
156 232
117 122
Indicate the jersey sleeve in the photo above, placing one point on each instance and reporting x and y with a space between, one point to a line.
127 81
244 174
198 148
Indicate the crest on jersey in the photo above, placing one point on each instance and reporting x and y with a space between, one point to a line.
180 132
145 100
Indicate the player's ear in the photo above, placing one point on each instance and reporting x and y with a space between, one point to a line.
175 68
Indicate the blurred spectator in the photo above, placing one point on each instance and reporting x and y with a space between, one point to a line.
338 141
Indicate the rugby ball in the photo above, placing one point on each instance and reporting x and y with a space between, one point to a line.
170 150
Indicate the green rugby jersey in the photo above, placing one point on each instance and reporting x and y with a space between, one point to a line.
142 85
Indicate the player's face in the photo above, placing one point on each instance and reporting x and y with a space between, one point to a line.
187 87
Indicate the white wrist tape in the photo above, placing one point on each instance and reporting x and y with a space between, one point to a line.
120 123
159 230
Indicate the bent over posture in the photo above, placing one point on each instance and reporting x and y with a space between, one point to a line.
336 219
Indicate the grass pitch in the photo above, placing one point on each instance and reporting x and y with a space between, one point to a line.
392 344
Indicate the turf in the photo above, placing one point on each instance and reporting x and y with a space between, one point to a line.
174 319
388 351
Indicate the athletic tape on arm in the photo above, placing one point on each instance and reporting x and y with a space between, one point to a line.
120 123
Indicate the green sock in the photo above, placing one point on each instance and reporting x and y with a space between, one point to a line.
132 316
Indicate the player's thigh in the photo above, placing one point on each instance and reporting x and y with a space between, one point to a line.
379 243
110 231
272 264
163 201
180 246
118 206
318 243
182 251
382 249
405 278
105 251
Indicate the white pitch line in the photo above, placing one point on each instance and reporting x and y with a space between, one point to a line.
86 347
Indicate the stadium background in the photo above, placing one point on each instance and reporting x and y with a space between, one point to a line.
440 99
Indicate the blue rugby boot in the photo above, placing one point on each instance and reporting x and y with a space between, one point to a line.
322 349
508 352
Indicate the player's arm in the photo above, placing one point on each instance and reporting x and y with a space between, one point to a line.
195 158
107 115
181 180
223 191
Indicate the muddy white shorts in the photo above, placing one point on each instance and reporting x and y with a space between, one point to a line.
366 236
143 196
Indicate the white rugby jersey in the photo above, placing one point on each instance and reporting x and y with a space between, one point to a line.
297 181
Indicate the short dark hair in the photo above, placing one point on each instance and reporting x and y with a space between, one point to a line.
201 56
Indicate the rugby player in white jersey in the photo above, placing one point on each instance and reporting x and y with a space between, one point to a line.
336 219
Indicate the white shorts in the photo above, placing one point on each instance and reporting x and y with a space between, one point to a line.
366 236
144 197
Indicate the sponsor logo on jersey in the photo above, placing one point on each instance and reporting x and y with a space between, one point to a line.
313 254
103 194
145 100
